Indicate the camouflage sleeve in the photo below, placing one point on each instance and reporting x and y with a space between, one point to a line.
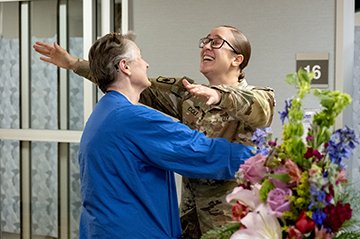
166 94
253 105
82 68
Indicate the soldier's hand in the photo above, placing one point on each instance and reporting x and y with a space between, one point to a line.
210 95
55 54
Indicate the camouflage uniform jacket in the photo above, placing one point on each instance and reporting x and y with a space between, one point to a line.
242 108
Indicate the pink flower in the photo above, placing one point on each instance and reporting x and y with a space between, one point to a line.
294 171
341 177
278 201
322 234
254 169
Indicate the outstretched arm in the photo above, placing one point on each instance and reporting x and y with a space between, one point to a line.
211 96
55 54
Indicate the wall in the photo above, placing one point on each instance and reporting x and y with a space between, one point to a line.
356 100
168 32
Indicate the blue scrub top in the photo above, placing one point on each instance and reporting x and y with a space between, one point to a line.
128 154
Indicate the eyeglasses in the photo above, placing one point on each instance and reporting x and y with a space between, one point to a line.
215 43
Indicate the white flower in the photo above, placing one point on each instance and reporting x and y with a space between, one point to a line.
249 198
260 224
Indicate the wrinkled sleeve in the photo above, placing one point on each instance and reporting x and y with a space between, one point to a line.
165 94
173 146
82 69
251 104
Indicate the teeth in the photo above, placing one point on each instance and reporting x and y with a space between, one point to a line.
208 58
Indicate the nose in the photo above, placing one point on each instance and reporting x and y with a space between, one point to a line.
207 45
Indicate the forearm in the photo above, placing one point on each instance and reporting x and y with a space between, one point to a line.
82 68
255 107
165 94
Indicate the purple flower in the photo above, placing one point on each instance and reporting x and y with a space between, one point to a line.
341 144
318 216
318 198
278 201
254 169
284 114
260 139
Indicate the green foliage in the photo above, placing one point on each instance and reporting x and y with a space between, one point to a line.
283 177
332 102
302 80
348 235
223 232
266 187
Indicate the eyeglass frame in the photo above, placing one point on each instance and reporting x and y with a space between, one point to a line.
211 40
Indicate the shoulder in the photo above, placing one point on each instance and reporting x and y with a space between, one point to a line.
170 80
144 114
165 84
244 84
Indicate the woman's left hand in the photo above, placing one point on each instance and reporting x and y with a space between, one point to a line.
211 96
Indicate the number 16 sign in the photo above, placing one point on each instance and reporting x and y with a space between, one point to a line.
317 63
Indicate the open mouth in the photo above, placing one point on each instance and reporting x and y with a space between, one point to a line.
208 58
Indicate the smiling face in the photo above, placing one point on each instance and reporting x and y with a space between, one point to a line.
217 64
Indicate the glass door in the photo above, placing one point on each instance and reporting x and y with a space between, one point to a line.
43 110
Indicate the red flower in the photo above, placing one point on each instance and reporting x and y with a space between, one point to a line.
312 153
309 153
330 195
336 215
239 211
304 223
294 233
309 138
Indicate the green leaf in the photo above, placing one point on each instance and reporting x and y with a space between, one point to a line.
266 187
283 177
223 232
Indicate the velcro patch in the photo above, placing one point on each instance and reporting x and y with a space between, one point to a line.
166 80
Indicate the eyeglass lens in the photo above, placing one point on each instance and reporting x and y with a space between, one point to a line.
215 43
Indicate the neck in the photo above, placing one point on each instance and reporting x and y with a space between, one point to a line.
129 93
223 79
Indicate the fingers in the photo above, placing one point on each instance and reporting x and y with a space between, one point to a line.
211 96
58 48
46 59
186 83
43 48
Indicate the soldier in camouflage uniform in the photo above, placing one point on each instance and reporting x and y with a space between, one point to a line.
227 108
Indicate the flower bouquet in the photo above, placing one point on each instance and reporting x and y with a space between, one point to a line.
296 189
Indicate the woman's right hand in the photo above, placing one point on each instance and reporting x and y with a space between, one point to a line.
55 54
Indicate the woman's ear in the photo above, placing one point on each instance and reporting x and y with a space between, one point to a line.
124 67
239 58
